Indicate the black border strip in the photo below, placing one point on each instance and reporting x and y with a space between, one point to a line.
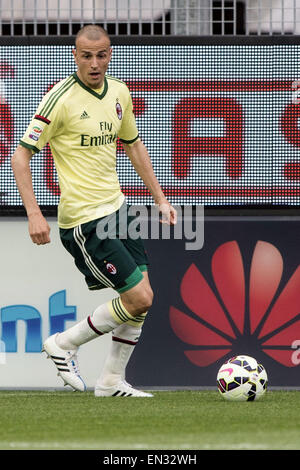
157 40
213 211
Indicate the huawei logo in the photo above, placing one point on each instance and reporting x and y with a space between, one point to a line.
246 311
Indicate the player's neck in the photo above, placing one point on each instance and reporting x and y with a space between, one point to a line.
96 86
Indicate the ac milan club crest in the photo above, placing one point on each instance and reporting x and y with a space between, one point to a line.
119 110
111 268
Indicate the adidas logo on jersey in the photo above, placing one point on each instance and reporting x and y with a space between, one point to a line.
84 115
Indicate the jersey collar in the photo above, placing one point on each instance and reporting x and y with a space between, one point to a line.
90 90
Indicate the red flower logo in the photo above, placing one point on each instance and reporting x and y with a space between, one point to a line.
233 320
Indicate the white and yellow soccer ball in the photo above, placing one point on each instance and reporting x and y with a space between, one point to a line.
241 378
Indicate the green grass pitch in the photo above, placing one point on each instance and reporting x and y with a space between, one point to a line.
171 420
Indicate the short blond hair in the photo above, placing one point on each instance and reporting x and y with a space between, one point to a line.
91 32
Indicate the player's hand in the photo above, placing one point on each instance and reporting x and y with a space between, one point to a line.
39 229
168 213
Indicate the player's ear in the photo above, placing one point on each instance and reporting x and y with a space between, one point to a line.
74 52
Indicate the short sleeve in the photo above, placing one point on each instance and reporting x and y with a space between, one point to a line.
128 132
41 129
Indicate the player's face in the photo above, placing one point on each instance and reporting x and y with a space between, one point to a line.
92 59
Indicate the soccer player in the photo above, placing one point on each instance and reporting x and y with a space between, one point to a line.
81 118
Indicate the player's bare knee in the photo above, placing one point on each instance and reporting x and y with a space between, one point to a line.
143 303
140 302
147 300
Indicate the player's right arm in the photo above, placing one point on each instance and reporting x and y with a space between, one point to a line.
42 127
38 227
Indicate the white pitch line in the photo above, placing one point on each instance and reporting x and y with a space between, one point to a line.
121 446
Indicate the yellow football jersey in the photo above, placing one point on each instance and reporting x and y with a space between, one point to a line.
82 127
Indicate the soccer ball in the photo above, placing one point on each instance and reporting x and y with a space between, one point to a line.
241 378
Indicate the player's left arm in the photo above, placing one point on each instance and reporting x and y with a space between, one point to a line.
140 159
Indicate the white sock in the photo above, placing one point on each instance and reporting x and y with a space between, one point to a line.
124 339
105 318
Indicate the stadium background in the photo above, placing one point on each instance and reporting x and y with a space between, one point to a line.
214 85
